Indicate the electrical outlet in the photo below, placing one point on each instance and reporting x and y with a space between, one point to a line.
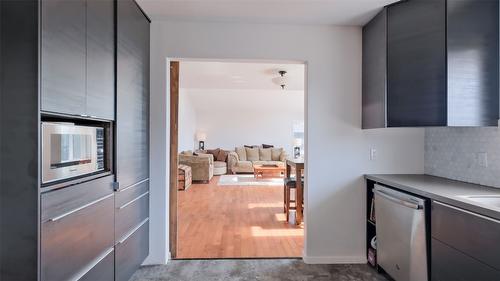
482 159
373 154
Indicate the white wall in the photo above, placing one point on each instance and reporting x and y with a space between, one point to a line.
337 149
233 118
187 123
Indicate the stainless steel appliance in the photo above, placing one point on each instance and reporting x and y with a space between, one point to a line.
401 234
70 150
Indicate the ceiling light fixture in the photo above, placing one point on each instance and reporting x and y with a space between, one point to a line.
281 80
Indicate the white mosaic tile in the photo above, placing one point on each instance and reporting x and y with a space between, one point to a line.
453 153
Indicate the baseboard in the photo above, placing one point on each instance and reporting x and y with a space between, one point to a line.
334 260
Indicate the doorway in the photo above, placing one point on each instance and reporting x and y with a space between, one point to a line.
225 117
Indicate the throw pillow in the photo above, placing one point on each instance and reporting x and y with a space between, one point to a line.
252 154
242 153
222 156
267 146
188 153
214 152
276 154
265 154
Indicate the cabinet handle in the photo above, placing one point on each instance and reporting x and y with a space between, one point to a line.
93 264
80 208
132 231
467 212
130 186
133 200
398 200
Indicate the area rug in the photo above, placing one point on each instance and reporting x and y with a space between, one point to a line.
246 180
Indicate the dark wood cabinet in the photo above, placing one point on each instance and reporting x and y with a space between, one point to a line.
470 233
78 59
375 72
63 56
448 264
441 65
19 124
473 61
132 95
132 146
101 59
77 220
416 63
131 252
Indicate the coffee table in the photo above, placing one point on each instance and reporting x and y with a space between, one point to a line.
268 171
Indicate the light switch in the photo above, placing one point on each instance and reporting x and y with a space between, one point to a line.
373 154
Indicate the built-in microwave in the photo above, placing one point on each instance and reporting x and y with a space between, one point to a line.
70 150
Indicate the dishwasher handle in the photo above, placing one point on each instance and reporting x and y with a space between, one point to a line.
399 201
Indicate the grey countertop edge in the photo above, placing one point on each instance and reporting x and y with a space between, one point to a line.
440 189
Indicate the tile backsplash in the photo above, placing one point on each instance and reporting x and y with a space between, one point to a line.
464 154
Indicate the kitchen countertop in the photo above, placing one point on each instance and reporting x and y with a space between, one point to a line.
441 189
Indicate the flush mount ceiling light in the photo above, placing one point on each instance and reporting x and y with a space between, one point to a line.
281 80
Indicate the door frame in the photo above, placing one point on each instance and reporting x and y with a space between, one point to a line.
173 158
173 97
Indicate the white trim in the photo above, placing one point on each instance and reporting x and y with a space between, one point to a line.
334 259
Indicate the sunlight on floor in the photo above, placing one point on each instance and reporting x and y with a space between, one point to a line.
265 205
258 231
280 217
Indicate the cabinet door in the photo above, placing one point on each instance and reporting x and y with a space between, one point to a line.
416 89
448 264
86 231
63 56
375 72
131 252
100 59
472 62
468 232
132 94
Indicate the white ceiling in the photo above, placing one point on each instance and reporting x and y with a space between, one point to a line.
239 75
338 12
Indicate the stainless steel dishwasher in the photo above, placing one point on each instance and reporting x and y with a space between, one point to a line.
401 234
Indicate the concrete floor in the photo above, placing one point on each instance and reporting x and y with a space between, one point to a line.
256 269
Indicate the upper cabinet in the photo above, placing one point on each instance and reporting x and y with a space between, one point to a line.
375 72
63 56
101 59
77 69
439 66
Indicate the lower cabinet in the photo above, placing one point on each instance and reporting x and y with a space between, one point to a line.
77 238
131 229
449 264
464 245
131 251
104 270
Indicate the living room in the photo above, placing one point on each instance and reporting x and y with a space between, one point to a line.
238 124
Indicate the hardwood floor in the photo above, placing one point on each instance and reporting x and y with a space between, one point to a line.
235 222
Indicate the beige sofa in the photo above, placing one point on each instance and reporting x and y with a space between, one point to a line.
202 165
243 158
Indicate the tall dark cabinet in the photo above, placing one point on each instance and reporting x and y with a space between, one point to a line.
132 146
19 120
441 65
84 62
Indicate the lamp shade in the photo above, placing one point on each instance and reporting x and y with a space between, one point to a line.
200 136
297 142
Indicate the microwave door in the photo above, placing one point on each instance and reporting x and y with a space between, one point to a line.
67 151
